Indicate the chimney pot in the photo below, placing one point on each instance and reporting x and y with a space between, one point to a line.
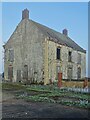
65 32
25 14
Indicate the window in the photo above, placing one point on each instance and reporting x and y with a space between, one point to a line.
79 58
58 53
19 75
69 56
69 73
10 72
79 73
11 55
25 72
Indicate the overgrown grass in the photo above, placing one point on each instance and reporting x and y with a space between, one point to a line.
42 98
49 93
55 91
12 86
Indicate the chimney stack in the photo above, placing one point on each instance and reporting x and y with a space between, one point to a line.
65 32
25 14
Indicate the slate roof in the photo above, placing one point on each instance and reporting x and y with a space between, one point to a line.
58 37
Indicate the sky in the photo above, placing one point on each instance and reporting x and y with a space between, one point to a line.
88 39
58 15
44 0
0 37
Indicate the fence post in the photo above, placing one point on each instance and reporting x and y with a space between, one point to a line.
85 84
59 80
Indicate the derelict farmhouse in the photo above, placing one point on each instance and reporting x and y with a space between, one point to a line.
37 53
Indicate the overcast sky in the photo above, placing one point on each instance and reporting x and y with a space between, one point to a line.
73 16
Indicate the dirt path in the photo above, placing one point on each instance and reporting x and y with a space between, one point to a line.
13 108
7 96
0 104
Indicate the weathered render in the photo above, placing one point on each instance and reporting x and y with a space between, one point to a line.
36 53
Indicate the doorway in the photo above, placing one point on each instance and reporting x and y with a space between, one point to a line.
25 72
19 75
79 73
70 73
10 73
57 71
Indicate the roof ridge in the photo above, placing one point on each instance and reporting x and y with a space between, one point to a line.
38 25
61 39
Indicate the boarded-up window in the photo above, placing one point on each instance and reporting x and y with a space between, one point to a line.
25 72
69 56
10 72
79 58
69 73
58 53
11 55
19 75
79 73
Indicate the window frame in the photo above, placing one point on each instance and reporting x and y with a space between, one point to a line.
79 58
69 56
79 73
58 53
11 55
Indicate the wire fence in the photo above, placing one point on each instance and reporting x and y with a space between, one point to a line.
81 90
